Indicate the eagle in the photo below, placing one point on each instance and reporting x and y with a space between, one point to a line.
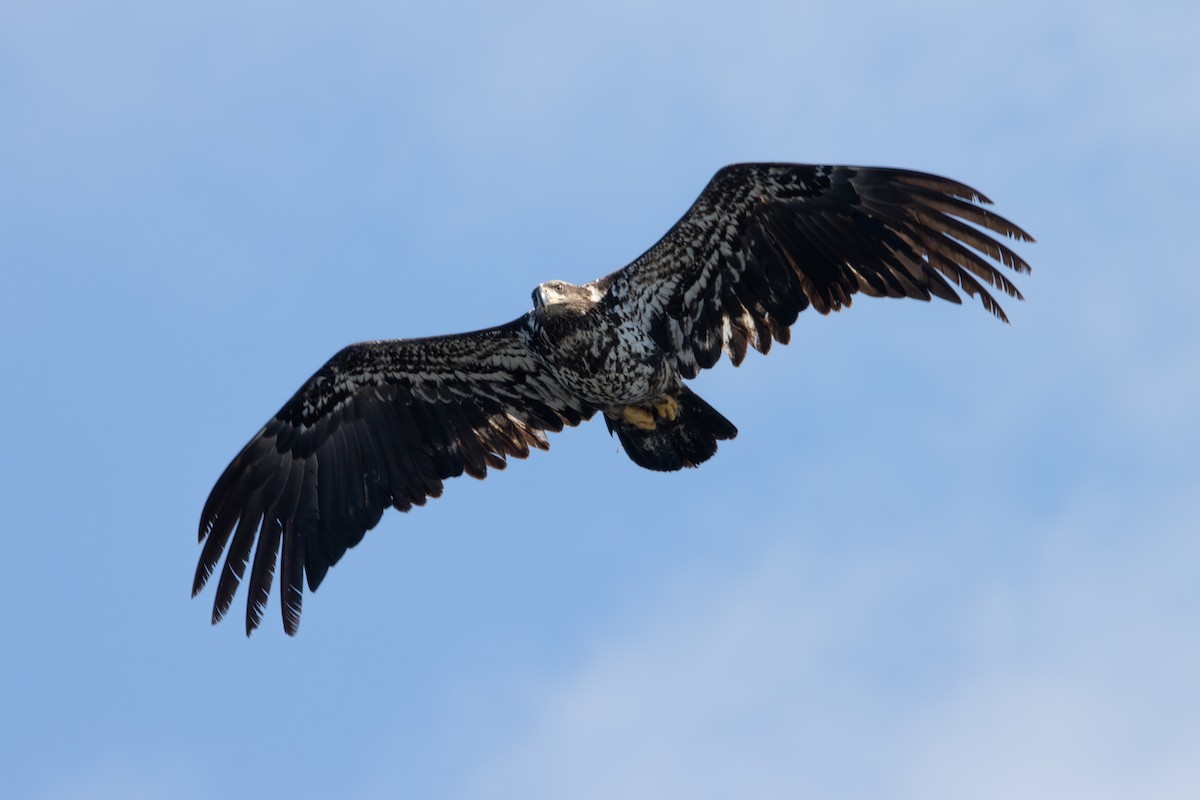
383 424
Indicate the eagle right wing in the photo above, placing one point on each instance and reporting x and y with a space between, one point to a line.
381 424
763 242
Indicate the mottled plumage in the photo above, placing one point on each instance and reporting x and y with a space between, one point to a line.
385 423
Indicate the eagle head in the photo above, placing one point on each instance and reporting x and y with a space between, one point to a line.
559 297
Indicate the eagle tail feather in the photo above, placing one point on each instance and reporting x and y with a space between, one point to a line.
688 440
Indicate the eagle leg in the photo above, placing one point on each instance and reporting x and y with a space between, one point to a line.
667 408
647 417
638 417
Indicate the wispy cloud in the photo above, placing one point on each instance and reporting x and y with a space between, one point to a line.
945 557
1074 677
124 773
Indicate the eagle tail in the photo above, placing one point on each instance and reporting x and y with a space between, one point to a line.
688 440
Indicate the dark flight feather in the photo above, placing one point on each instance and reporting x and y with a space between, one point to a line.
384 424
381 424
776 238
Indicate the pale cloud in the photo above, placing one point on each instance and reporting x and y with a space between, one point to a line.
1082 683
1073 677
125 773
967 551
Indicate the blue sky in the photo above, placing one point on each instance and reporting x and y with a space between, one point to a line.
944 558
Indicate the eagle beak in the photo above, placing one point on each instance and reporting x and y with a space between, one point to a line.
539 302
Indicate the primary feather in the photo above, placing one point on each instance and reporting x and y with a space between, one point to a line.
383 424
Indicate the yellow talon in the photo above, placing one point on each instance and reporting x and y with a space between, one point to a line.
667 409
647 417
638 417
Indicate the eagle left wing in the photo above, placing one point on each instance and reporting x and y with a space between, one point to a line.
381 424
765 241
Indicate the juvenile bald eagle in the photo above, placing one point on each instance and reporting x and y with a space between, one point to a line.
385 423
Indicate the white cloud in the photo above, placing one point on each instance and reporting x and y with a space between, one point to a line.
1073 676
148 773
